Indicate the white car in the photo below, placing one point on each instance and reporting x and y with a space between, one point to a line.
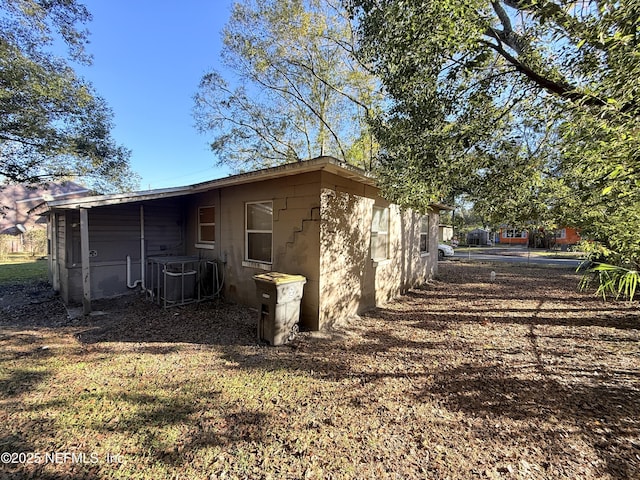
444 251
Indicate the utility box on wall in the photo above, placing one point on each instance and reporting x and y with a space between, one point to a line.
279 295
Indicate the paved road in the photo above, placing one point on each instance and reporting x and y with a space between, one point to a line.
520 258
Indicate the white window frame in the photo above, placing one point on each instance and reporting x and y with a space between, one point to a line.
375 233
424 219
247 232
514 233
200 243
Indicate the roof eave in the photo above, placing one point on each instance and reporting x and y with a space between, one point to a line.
328 164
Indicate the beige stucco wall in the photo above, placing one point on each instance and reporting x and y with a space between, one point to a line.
296 233
351 282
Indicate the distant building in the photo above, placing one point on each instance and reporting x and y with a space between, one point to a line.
539 238
566 236
445 233
513 236
18 201
478 237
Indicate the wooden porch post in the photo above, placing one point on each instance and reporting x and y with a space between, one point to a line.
84 254
54 272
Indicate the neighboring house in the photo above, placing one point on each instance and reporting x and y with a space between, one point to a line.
567 236
18 201
478 237
445 233
539 238
513 236
318 218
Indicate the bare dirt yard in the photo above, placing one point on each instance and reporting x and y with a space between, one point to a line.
518 378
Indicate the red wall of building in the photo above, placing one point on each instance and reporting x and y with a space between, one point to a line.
571 236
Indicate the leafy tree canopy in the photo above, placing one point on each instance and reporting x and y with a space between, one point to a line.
528 107
298 91
52 124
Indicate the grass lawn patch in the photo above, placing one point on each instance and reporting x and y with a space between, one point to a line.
22 269
522 377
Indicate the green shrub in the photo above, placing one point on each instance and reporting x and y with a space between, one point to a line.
612 280
36 242
33 243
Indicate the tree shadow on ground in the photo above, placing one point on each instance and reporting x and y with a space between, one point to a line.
507 369
533 400
23 463
19 381
169 425
133 319
607 416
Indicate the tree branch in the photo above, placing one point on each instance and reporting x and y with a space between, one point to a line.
561 89
300 98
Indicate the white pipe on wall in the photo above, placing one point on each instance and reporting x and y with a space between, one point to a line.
129 284
142 257
143 260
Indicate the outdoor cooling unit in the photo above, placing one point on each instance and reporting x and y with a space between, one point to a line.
174 281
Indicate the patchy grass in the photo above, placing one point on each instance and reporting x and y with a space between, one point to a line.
22 269
520 378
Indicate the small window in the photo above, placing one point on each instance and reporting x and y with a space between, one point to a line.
424 234
380 233
258 231
513 233
206 225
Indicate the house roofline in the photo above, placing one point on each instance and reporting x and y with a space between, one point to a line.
328 164
325 163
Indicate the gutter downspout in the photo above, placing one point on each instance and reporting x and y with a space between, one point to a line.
53 254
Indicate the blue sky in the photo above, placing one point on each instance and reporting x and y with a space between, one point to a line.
148 58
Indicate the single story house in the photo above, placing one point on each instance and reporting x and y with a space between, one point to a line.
539 238
513 236
478 237
319 218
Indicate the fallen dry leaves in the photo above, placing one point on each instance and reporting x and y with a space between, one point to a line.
517 378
